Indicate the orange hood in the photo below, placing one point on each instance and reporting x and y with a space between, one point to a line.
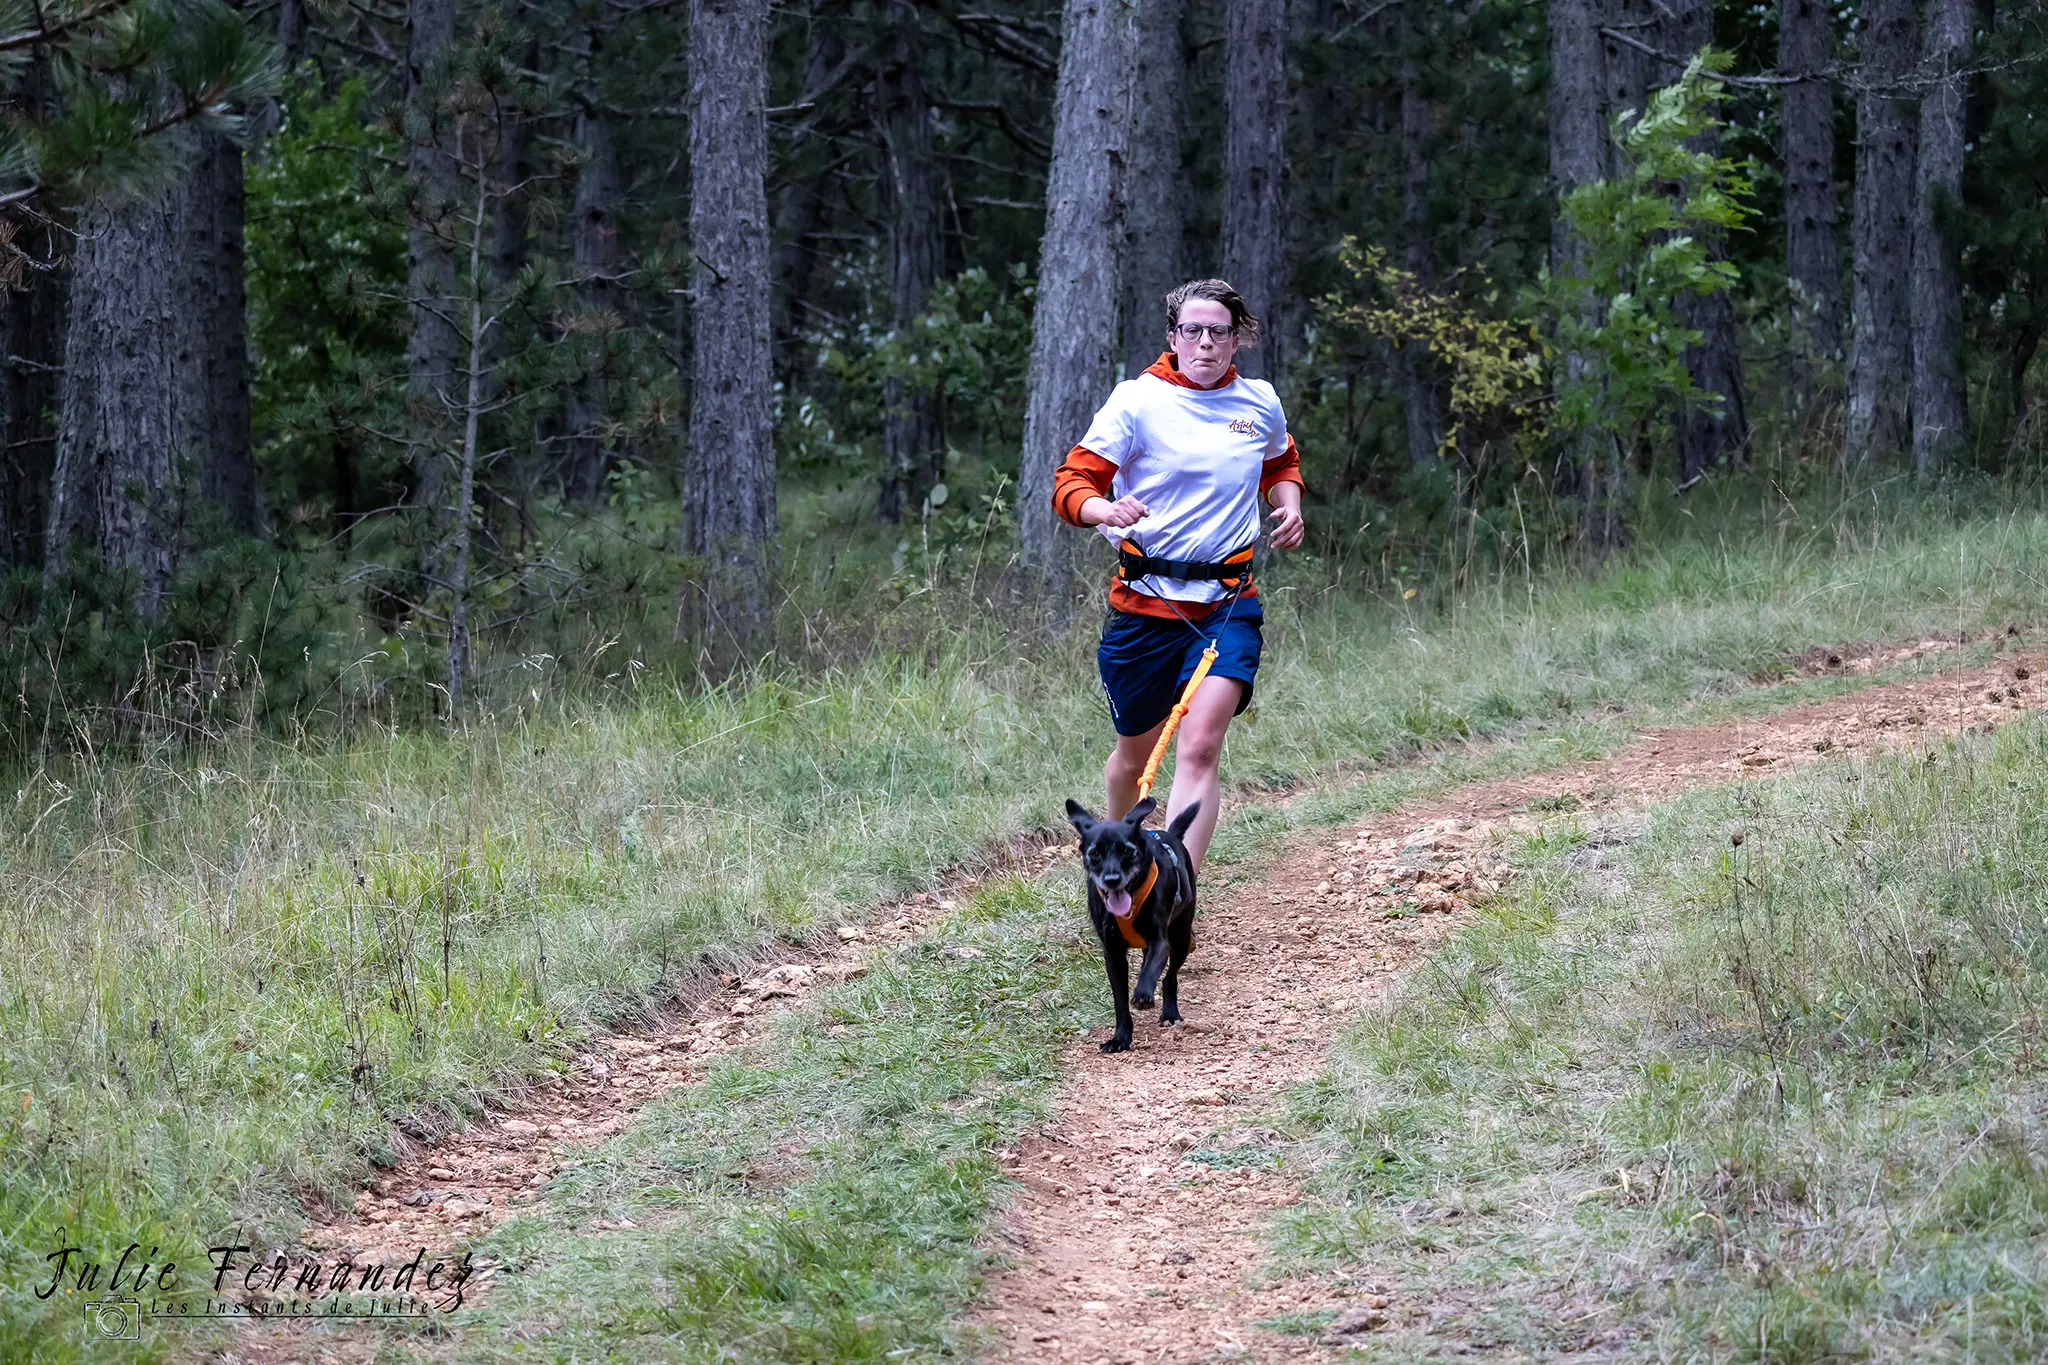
1167 367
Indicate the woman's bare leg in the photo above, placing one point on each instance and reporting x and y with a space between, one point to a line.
1198 748
1126 762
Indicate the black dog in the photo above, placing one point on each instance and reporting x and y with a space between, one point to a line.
1128 863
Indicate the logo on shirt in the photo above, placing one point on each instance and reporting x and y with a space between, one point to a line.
1242 427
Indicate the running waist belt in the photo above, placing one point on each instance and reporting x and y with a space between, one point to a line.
1135 563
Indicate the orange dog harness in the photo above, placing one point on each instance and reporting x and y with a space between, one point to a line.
1138 898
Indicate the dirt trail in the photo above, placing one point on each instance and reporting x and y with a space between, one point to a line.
1136 1236
441 1194
446 1190
1262 1001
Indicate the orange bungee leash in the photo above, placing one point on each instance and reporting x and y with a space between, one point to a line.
1134 563
1173 718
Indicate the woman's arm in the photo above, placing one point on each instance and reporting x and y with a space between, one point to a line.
1280 481
1099 511
1081 489
1287 529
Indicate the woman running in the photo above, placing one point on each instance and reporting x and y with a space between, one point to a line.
1171 471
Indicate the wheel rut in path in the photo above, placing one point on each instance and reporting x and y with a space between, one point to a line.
1136 1233
444 1190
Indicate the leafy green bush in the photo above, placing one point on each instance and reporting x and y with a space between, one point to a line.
1644 243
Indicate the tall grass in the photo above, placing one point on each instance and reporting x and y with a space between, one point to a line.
821 1198
234 964
1765 1087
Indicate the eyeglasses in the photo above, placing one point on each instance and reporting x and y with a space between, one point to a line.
1219 332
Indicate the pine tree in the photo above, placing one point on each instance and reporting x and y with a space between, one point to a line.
1941 409
1421 403
433 241
912 452
1880 339
1592 469
729 516
1712 430
122 115
1156 195
1255 159
1073 347
155 400
594 251
1806 117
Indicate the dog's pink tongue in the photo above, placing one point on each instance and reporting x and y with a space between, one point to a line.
1118 902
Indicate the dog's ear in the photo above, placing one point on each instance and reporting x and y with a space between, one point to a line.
1140 813
1078 816
1178 826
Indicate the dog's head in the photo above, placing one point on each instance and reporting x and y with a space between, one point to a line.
1114 853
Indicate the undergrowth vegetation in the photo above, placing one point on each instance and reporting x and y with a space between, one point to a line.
819 1198
1760 1081
236 961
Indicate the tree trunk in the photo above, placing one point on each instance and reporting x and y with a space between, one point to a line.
1156 193
800 207
214 247
116 491
511 230
1941 412
2018 361
155 388
729 521
1629 73
1813 260
1254 160
1578 125
1590 469
586 453
434 234
1880 344
799 214
912 453
508 253
476 360
1415 366
291 32
32 350
1073 347
1707 437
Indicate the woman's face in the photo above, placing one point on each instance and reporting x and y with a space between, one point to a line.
1205 357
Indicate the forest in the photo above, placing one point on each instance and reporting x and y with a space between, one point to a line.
371 362
543 669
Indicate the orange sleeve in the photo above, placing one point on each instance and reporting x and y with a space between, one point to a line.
1282 468
1085 475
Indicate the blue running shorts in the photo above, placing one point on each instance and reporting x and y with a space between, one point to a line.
1145 661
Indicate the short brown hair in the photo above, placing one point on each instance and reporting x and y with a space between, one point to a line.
1216 291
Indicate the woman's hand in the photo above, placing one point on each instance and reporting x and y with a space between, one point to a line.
1287 529
1122 512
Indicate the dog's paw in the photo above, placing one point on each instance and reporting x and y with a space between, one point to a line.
1169 1017
1117 1045
1142 1002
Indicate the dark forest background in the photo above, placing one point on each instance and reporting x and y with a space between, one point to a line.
374 357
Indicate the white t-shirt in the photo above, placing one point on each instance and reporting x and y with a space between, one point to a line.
1193 457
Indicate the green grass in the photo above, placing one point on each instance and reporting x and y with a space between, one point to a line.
817 1197
1776 1100
233 966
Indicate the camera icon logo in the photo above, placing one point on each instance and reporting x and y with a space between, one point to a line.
114 1319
